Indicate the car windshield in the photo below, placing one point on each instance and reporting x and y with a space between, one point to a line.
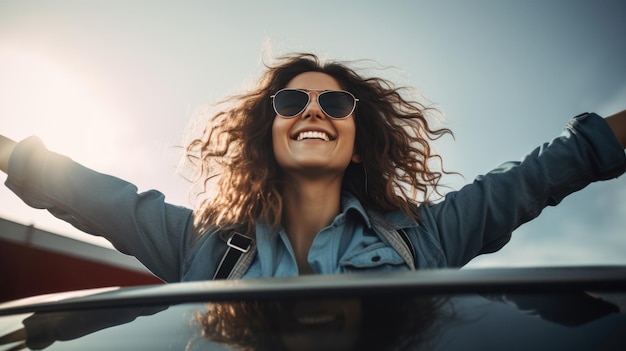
442 322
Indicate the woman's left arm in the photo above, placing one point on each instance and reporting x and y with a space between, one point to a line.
617 122
481 216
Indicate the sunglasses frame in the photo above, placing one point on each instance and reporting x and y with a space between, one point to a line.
320 93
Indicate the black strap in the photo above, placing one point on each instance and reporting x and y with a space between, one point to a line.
238 244
409 244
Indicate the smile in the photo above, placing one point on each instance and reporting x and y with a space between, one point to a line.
316 319
313 135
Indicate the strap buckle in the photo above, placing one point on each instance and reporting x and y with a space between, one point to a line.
239 242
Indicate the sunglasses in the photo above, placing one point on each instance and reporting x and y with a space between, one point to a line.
337 104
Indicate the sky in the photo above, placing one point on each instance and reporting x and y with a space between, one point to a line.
115 84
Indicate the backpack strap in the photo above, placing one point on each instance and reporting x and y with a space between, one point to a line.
237 258
398 239
409 245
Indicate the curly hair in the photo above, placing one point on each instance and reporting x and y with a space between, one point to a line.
392 139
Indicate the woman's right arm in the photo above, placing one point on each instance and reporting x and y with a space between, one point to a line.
6 148
138 224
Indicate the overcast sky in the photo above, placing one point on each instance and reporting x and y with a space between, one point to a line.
114 84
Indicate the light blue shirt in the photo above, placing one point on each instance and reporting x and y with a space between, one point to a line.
348 244
477 219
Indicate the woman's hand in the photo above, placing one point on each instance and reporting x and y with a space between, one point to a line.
6 148
617 122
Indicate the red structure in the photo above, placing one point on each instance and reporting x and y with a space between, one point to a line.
34 262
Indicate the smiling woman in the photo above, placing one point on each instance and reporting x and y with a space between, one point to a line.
329 185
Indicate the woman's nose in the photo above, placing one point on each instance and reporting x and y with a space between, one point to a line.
313 109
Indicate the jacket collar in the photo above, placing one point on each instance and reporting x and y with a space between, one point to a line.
393 220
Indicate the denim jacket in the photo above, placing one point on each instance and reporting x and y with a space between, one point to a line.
477 219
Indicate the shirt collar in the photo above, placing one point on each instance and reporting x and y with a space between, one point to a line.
349 203
394 219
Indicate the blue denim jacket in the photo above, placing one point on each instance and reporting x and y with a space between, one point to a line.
477 219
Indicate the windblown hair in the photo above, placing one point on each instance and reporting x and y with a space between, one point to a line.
392 139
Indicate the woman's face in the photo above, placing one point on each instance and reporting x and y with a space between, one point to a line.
327 151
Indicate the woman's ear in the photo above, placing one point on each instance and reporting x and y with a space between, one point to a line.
356 158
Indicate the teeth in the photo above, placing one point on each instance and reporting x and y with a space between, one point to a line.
313 135
313 320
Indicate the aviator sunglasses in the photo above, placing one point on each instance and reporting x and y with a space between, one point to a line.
337 104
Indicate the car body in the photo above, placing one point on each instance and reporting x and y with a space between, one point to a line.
488 309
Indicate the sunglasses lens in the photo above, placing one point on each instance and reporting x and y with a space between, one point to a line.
289 103
337 104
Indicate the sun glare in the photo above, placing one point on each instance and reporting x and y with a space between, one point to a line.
44 98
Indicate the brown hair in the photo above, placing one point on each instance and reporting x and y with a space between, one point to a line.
392 139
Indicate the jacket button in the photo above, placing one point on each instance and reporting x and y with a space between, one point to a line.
375 258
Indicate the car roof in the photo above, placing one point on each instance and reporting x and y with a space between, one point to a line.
440 281
486 309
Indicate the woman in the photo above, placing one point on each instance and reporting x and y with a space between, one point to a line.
321 167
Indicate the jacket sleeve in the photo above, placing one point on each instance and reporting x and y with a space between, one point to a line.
481 216
138 224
